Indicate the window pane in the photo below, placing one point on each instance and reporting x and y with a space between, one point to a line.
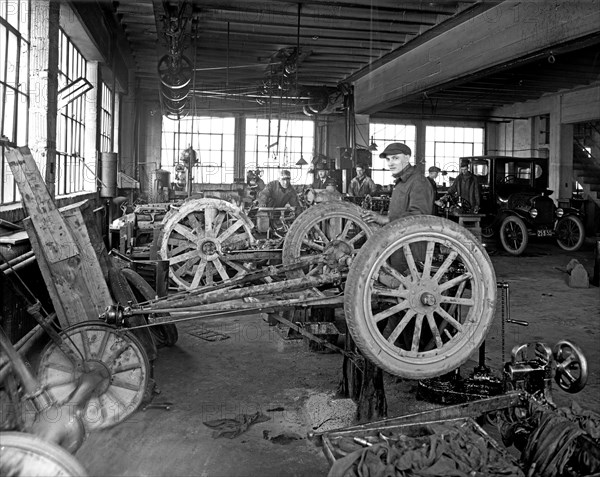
296 138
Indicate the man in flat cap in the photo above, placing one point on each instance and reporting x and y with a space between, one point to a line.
412 194
279 193
466 186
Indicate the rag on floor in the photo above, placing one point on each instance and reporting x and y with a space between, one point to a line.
231 428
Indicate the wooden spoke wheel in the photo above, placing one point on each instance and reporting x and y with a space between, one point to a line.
331 228
200 240
420 297
29 455
570 233
119 358
513 235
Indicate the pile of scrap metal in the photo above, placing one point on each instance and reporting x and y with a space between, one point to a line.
550 441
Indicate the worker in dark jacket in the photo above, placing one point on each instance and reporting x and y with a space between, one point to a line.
362 184
466 186
412 194
433 173
279 193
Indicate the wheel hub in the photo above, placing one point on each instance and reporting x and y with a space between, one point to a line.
428 299
337 253
95 366
209 248
423 296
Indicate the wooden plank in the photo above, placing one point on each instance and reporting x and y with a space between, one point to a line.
54 235
63 318
95 236
14 238
62 246
91 272
510 30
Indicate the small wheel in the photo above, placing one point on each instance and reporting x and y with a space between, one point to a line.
513 235
115 354
28 455
165 334
325 228
420 297
570 233
571 367
200 241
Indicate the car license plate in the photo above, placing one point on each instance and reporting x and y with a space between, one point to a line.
544 232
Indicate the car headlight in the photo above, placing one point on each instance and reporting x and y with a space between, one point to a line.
533 212
559 212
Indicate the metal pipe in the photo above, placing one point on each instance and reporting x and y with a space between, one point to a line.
211 308
30 385
28 256
252 291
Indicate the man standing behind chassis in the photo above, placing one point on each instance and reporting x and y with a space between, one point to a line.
279 193
412 195
466 186
362 184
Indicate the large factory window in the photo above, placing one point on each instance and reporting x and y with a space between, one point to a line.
445 145
383 134
14 86
211 137
70 128
272 145
106 123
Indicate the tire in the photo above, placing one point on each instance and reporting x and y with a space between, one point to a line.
120 360
513 235
570 233
322 218
164 335
123 294
200 238
441 312
27 454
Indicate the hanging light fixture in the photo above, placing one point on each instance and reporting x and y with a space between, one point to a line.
301 161
373 146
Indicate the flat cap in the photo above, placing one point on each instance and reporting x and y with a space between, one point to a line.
434 169
396 148
465 162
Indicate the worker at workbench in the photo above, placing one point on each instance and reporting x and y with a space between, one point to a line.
280 193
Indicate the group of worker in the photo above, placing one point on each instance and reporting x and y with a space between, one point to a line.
413 193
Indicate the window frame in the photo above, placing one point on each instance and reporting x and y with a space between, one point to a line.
70 124
16 28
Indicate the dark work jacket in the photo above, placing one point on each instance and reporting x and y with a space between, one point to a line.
434 185
273 195
320 184
361 187
412 195
467 186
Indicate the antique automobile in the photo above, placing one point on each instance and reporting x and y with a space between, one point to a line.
517 205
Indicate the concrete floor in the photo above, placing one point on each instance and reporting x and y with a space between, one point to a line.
256 370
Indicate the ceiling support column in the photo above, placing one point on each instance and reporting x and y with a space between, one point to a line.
239 149
561 153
